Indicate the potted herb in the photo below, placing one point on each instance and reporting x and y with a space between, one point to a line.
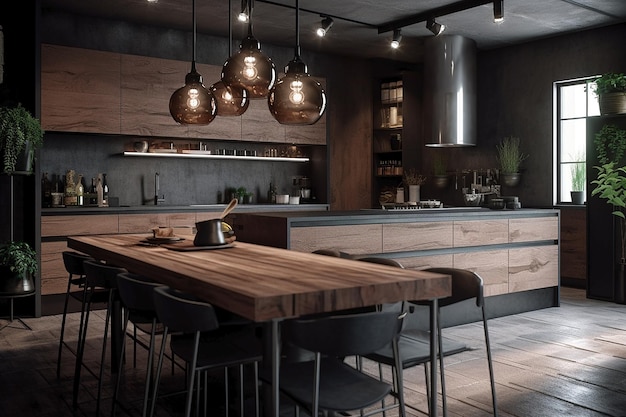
510 157
20 135
611 93
18 263
610 185
577 170
240 193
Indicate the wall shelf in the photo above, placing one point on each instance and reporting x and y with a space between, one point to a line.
205 156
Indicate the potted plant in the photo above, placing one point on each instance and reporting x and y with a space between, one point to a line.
20 135
577 170
611 93
412 179
610 185
18 263
440 175
510 157
240 193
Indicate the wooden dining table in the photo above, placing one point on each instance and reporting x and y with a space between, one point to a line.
267 284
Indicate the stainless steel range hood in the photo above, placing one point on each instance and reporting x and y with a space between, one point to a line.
450 91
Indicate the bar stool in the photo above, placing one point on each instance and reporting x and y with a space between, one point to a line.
98 277
195 337
73 262
136 294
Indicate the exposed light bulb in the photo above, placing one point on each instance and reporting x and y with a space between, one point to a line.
250 72
243 17
296 96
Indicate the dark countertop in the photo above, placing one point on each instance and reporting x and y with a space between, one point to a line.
241 208
365 216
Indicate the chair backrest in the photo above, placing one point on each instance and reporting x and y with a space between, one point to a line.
466 285
344 335
382 261
136 292
182 312
101 275
73 262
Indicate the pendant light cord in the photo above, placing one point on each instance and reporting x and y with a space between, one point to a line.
230 28
250 7
193 17
297 28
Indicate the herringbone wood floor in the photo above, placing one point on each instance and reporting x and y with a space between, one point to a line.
563 361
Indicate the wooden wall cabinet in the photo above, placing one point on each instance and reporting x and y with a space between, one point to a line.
80 90
103 92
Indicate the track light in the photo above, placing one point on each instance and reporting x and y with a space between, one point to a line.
435 27
325 26
397 37
498 11
244 15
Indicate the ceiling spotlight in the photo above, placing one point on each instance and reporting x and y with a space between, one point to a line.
243 16
397 37
498 11
325 25
435 27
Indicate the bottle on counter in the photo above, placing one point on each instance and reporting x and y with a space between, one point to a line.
105 191
70 189
100 192
271 194
46 191
80 191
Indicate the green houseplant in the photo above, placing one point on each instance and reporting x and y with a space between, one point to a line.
20 134
510 157
18 263
610 185
611 93
579 177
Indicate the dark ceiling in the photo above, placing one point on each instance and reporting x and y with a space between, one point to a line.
357 23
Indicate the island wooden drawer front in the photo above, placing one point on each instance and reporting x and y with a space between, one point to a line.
142 223
353 239
531 229
79 225
492 266
535 267
401 237
480 232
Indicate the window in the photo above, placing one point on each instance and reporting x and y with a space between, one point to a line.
575 102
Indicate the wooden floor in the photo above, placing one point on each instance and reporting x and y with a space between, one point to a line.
563 361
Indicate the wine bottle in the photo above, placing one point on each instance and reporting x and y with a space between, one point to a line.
80 190
105 191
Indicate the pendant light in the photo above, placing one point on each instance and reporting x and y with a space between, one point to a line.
249 68
297 98
231 100
193 103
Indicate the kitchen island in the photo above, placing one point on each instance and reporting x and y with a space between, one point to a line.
516 252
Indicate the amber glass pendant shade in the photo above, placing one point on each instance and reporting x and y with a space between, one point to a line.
231 101
193 103
297 98
249 68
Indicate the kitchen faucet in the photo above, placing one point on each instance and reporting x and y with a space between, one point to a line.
157 199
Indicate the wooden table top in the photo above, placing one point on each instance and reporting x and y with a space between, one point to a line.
261 282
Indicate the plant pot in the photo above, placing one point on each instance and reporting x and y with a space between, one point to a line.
612 103
12 283
25 159
510 179
440 181
578 197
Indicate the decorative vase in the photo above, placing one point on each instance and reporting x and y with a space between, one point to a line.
510 179
414 193
12 283
612 103
578 197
